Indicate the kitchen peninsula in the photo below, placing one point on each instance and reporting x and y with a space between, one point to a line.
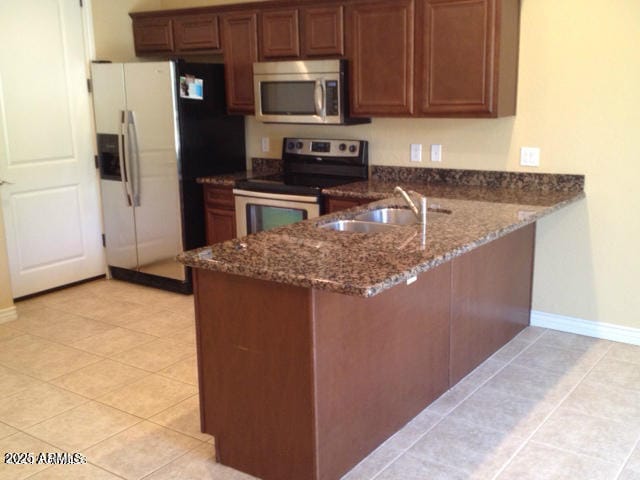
315 345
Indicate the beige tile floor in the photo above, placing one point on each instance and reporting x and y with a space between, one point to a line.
108 369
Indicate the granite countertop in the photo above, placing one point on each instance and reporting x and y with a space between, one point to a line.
259 167
379 189
367 264
230 179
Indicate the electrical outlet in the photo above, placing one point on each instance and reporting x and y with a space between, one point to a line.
264 143
530 156
436 153
416 152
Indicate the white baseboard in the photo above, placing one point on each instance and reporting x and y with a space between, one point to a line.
605 331
8 314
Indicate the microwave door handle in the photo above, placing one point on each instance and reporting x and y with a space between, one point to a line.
319 98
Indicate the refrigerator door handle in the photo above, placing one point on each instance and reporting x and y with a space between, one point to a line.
122 160
135 164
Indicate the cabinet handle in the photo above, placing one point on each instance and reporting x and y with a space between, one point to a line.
122 141
135 160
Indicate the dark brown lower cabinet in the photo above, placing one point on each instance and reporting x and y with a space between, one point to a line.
335 204
298 383
220 214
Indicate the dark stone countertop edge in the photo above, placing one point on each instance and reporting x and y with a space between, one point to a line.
192 259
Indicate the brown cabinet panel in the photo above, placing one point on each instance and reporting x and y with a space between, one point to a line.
220 216
240 46
380 47
279 34
335 204
196 32
221 225
323 31
336 374
219 196
467 57
457 61
379 361
490 298
153 35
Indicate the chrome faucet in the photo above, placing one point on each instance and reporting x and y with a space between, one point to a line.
420 213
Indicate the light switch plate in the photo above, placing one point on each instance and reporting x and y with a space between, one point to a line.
264 143
530 156
436 153
416 152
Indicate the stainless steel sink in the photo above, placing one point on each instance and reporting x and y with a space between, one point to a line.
389 215
358 226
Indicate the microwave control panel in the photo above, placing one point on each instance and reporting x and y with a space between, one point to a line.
332 98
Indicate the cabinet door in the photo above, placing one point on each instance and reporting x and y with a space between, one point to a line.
279 34
196 32
152 35
323 31
240 44
220 216
221 225
456 56
380 47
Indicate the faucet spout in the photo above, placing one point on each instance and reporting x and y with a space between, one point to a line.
420 213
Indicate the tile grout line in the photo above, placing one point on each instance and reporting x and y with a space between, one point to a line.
178 458
544 420
140 420
626 460
443 417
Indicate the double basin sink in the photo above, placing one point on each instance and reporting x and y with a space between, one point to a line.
374 221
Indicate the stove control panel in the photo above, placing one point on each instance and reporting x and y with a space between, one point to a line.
323 148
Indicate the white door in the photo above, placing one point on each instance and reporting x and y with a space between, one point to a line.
51 209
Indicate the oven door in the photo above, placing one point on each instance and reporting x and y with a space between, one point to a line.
258 211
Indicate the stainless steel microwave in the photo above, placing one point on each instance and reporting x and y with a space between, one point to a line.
308 91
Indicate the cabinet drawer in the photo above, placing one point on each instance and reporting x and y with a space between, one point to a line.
221 197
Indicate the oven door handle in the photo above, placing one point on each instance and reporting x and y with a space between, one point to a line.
276 196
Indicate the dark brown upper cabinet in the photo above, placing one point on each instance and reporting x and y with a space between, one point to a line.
196 33
380 50
153 35
467 53
279 34
407 58
323 31
240 48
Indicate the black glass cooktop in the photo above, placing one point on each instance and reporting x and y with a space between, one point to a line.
299 184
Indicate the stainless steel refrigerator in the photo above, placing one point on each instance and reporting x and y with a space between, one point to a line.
160 125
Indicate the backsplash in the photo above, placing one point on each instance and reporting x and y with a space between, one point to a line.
480 178
266 165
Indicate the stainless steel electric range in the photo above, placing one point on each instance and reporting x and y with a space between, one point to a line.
309 165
